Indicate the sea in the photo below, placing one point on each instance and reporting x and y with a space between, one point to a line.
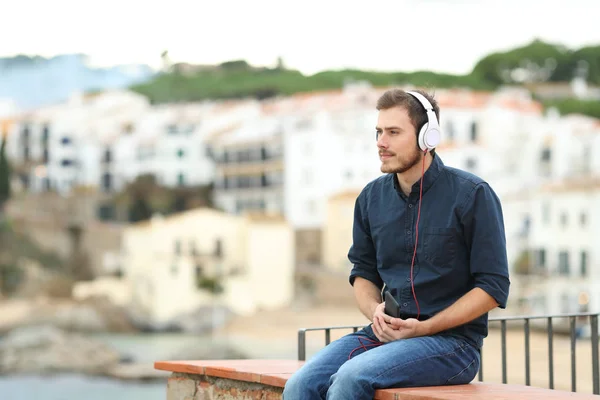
145 348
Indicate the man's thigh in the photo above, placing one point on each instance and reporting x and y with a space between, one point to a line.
423 361
319 368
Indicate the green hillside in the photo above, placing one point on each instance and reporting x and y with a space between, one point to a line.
535 62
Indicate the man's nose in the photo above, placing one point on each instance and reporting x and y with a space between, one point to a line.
382 142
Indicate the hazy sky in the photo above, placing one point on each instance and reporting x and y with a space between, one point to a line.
310 35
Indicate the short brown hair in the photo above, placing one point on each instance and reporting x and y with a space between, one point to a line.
416 112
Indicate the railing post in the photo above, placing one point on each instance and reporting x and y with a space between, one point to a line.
302 345
527 361
573 353
481 365
503 334
595 367
550 354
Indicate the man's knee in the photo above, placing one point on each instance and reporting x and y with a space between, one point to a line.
302 385
351 376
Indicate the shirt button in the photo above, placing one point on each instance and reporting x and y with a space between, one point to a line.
410 206
408 231
407 279
405 304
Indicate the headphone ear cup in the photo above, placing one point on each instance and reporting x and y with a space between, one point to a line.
421 138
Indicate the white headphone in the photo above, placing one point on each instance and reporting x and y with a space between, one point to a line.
430 134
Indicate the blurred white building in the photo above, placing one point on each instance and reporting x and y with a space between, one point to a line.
171 264
56 147
555 225
297 152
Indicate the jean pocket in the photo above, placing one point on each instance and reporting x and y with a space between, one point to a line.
466 375
440 245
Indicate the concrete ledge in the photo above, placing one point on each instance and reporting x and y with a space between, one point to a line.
265 379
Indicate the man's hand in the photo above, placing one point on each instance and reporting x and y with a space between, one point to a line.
387 329
407 328
381 329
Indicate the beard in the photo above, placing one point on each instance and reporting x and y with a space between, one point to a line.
399 165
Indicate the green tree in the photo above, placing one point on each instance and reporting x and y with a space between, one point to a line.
5 175
536 62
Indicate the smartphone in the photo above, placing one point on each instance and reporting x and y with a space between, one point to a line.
392 308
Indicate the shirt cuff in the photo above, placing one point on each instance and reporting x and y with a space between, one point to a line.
368 275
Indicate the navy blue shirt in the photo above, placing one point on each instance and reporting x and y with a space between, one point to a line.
461 243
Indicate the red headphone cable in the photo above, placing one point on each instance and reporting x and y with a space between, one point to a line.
412 265
378 343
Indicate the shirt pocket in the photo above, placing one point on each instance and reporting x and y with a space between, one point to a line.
440 245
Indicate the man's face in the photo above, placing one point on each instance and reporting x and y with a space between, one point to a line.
396 141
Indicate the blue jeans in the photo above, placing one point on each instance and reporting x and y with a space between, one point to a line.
422 361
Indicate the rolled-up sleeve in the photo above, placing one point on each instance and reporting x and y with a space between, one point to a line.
362 252
483 223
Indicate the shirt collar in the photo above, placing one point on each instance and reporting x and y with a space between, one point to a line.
429 178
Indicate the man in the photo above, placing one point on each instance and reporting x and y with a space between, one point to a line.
431 235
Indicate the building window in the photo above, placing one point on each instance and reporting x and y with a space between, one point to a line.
348 175
180 153
181 179
106 212
171 128
546 213
449 131
541 258
66 140
25 132
45 134
177 247
107 156
45 156
107 182
583 219
66 163
546 155
563 219
584 263
471 164
563 263
199 271
218 248
25 181
545 164
263 180
474 132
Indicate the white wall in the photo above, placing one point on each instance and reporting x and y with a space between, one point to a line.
325 157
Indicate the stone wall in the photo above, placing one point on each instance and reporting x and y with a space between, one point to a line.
202 387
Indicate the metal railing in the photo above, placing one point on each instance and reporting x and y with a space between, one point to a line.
527 321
